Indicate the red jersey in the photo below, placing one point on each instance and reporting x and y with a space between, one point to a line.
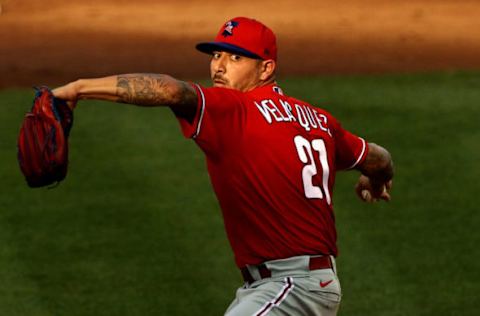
272 161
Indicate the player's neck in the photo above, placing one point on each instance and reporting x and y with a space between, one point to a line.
262 84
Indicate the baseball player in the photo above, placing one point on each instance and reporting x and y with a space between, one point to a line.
272 161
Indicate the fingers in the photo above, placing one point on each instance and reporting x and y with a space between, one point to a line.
388 185
362 192
368 193
368 196
386 191
385 196
362 189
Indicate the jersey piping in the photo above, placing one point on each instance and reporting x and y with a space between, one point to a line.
202 111
360 157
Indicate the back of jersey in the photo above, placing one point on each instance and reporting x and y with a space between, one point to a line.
272 161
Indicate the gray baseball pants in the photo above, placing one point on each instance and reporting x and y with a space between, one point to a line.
292 289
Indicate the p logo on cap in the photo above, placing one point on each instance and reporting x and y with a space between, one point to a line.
243 36
228 29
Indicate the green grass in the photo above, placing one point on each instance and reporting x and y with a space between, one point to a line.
135 228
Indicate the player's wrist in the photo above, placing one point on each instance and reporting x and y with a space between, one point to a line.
78 87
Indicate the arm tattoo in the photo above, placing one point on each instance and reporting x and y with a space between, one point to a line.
378 164
142 89
153 90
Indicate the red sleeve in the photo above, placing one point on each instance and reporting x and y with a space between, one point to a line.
218 118
190 130
351 150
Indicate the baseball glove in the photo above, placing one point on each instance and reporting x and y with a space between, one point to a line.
43 140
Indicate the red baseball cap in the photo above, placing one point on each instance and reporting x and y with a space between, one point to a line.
243 36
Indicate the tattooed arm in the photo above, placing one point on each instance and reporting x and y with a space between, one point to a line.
377 173
138 89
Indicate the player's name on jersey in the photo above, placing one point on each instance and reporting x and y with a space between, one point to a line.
304 115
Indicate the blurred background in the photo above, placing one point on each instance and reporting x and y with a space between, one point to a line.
135 228
54 41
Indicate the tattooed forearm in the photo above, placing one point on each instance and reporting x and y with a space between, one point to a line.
143 89
124 90
153 90
378 164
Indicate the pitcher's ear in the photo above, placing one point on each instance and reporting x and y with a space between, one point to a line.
268 69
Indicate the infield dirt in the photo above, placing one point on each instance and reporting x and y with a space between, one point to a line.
55 41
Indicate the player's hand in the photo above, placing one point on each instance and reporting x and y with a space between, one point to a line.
372 191
68 92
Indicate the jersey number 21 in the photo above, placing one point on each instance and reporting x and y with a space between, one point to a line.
305 151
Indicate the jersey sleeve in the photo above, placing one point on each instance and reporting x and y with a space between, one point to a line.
219 115
191 129
351 150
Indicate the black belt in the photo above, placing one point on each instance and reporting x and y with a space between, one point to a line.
315 263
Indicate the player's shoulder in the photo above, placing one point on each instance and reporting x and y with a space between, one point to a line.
223 97
218 90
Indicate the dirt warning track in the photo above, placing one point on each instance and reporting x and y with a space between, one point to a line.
60 42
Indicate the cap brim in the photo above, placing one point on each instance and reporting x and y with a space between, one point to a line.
210 47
